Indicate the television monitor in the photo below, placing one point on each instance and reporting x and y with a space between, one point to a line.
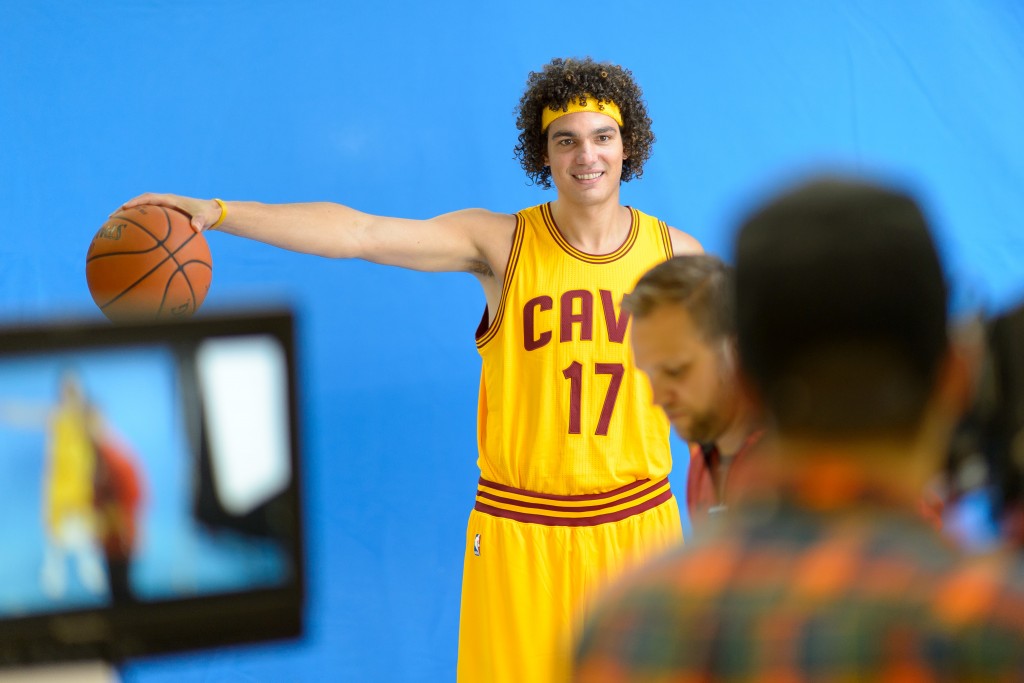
149 487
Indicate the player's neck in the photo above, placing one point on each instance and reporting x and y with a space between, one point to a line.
598 228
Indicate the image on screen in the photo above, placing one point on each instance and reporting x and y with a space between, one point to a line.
142 473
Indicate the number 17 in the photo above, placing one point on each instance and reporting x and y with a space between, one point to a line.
574 373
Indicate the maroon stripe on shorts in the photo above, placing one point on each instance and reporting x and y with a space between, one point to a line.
548 506
549 520
564 508
552 496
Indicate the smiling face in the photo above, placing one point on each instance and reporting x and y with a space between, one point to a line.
585 154
691 378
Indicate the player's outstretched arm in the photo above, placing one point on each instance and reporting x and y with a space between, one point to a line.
468 240
18 414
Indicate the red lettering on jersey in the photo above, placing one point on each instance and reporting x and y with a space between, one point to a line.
571 314
531 340
616 324
585 318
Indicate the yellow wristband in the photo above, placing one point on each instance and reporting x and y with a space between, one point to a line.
223 213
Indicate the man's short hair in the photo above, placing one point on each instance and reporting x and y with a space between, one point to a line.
700 283
841 308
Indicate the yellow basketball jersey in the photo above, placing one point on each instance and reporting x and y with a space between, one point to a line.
70 468
562 407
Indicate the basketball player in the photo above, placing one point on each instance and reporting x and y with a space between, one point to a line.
68 495
572 453
684 340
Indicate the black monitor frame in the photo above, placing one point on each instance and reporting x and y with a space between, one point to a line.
116 633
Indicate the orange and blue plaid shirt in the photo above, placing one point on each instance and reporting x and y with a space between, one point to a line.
830 579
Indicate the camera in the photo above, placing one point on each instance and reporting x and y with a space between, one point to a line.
985 468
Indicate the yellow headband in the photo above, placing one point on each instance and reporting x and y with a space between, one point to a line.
607 108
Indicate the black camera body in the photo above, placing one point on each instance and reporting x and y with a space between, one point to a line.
987 454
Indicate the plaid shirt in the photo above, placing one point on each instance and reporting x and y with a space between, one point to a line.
833 580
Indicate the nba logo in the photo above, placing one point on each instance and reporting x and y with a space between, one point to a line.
476 545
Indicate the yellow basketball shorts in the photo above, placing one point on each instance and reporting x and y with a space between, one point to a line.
534 564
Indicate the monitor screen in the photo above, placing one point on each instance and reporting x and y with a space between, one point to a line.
149 487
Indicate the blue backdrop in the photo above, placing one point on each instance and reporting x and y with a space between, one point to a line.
407 109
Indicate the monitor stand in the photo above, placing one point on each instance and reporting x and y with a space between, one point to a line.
79 672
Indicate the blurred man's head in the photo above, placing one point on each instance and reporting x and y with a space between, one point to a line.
682 334
841 310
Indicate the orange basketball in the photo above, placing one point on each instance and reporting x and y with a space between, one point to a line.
147 263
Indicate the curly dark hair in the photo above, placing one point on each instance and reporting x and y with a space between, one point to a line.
564 80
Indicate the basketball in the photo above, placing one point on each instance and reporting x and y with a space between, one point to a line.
147 263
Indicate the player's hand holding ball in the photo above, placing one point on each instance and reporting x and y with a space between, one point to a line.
204 214
149 261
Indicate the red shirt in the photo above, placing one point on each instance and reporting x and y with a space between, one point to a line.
702 491
117 495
